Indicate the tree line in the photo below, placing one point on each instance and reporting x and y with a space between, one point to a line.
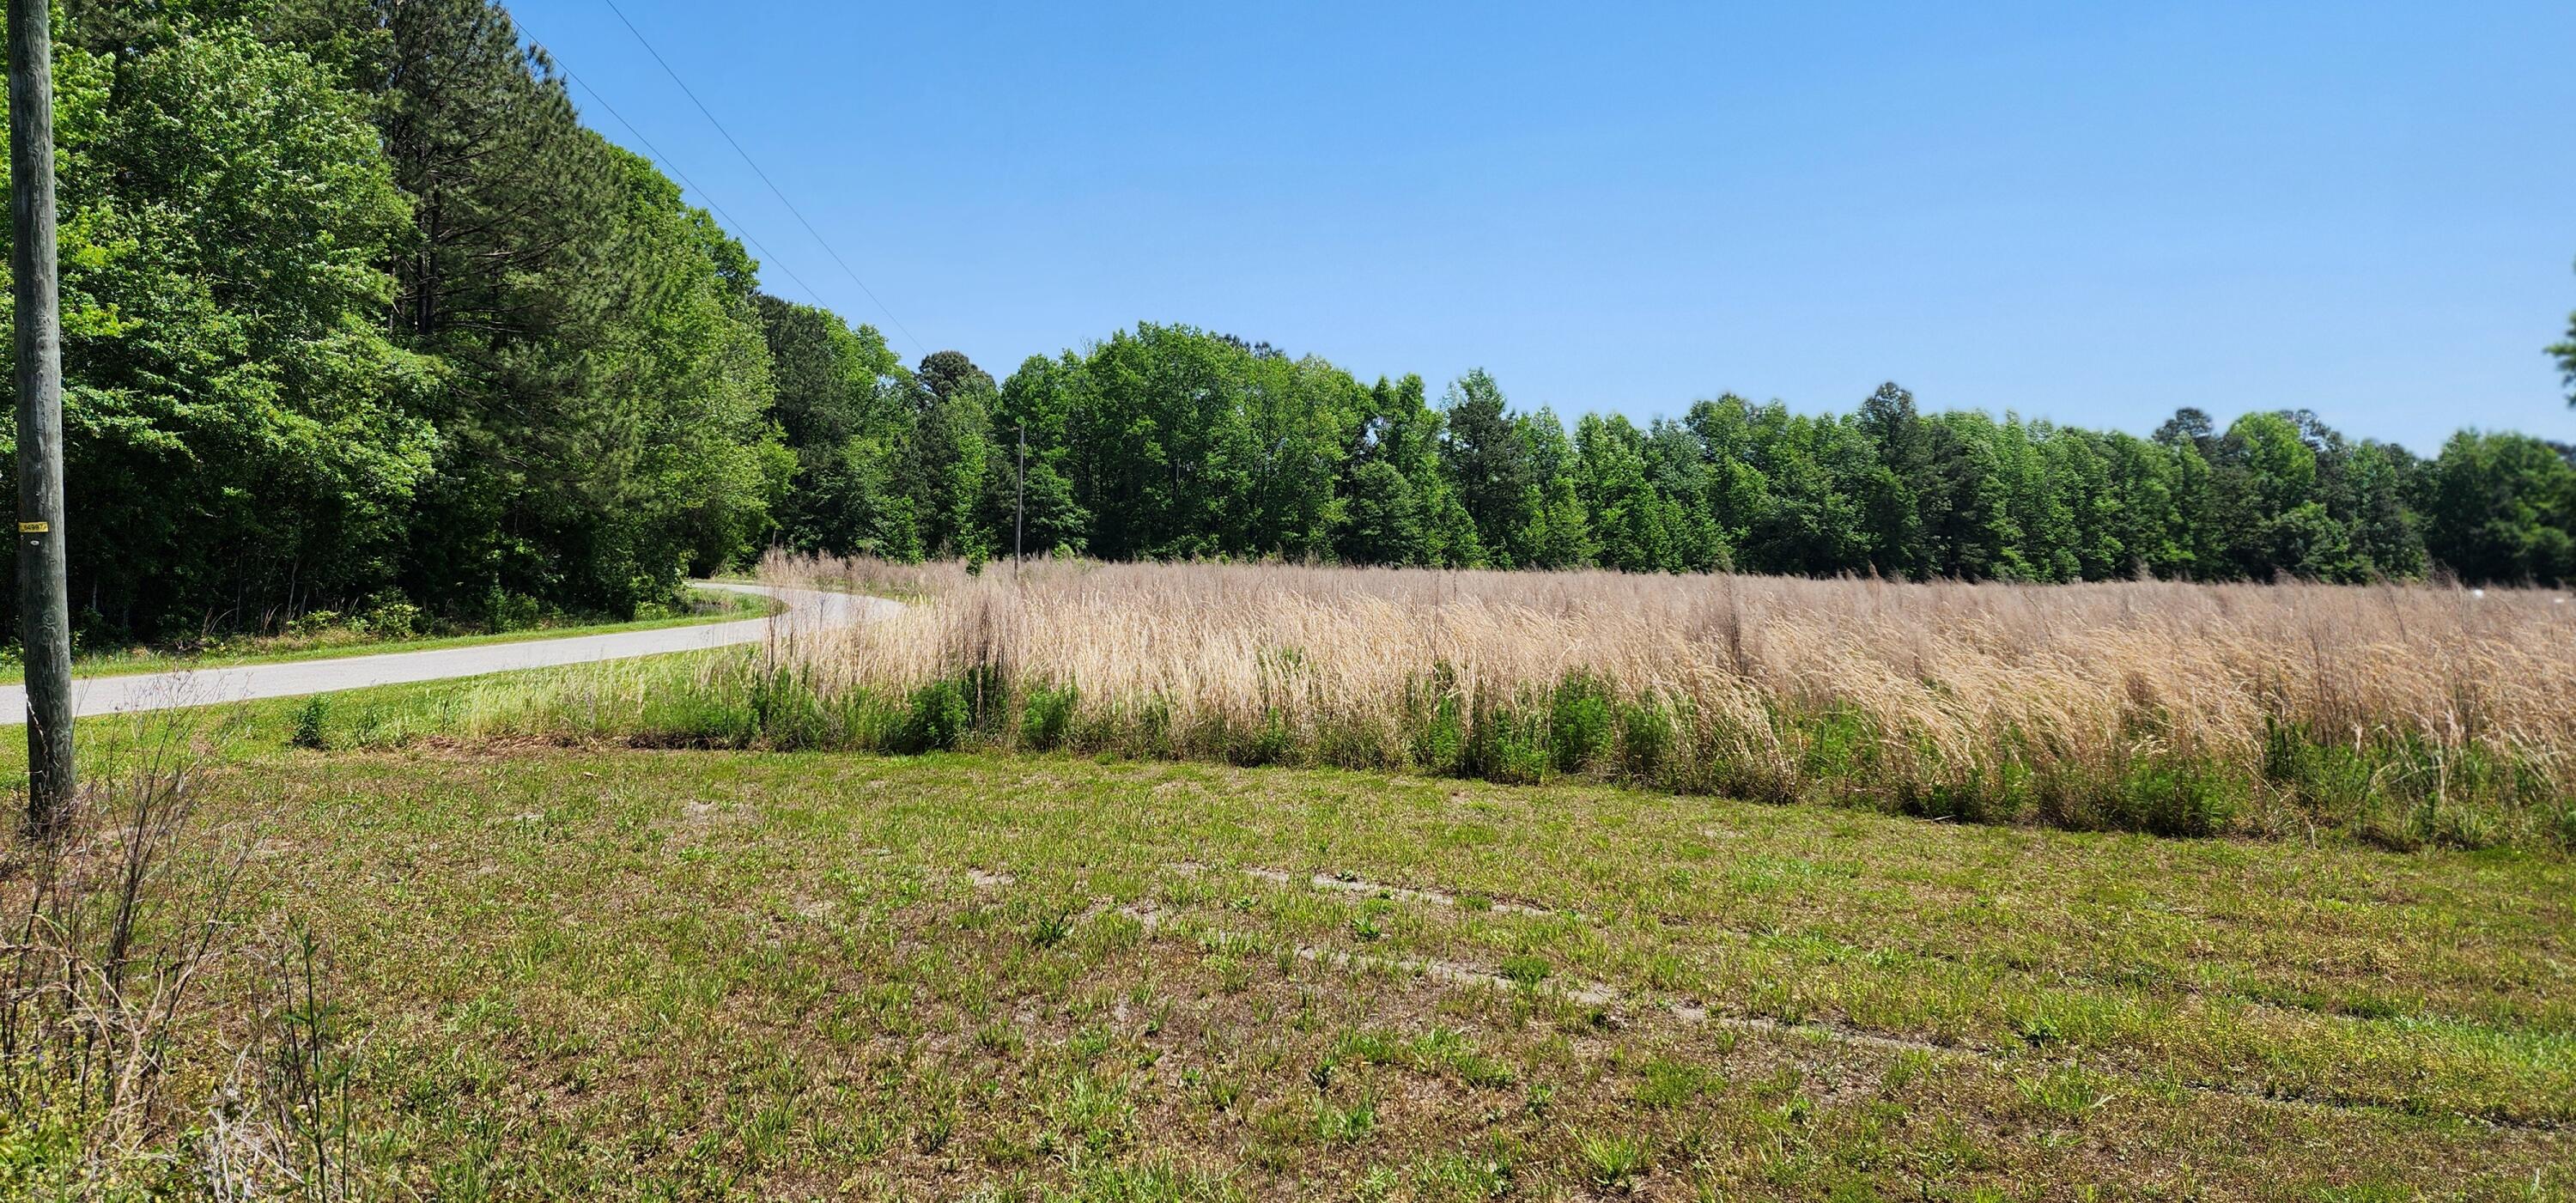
1172 442
358 313
356 310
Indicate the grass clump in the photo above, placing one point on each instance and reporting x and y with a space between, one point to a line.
1614 1162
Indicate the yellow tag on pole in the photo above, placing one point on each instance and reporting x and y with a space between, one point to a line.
34 528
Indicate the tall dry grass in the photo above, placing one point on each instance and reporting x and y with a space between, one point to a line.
2413 711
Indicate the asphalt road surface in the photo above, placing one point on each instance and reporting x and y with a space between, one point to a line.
807 610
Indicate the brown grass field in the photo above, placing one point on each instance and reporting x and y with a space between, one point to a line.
2406 714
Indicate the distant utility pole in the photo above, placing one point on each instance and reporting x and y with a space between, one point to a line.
1020 503
44 605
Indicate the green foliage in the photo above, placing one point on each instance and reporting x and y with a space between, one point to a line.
1638 528
311 723
1489 465
604 423
1506 743
2500 507
1176 442
1645 739
1399 506
1581 728
941 714
844 408
239 431
353 303
1046 717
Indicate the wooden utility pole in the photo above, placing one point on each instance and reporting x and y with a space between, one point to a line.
44 606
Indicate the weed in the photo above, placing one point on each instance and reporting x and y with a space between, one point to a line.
1580 728
2067 1093
1349 1124
2403 717
1613 1162
940 716
1051 929
1046 717
1091 1113
1672 1083
1525 969
1461 1178
312 723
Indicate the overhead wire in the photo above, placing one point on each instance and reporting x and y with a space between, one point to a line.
669 165
754 164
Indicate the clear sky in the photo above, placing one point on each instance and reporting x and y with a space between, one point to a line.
2092 213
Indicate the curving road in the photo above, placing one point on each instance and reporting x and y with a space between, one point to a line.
807 610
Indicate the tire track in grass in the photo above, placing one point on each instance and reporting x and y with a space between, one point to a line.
1694 1011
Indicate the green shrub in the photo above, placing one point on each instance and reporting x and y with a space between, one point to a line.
941 713
2173 799
1506 745
506 611
1579 723
310 721
1046 716
1645 739
312 622
1439 735
388 616
1272 743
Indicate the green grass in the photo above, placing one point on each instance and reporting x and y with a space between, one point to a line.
709 605
603 972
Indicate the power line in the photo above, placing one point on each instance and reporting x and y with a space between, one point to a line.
672 165
674 168
764 176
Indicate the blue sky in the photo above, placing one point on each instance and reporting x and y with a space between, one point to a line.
2090 213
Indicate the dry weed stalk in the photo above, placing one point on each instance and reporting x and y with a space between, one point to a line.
116 912
119 914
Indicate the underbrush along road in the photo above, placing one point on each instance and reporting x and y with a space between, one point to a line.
807 610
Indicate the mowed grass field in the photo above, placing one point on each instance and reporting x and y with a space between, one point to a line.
595 972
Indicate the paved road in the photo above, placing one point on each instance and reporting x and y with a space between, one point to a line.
807 610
